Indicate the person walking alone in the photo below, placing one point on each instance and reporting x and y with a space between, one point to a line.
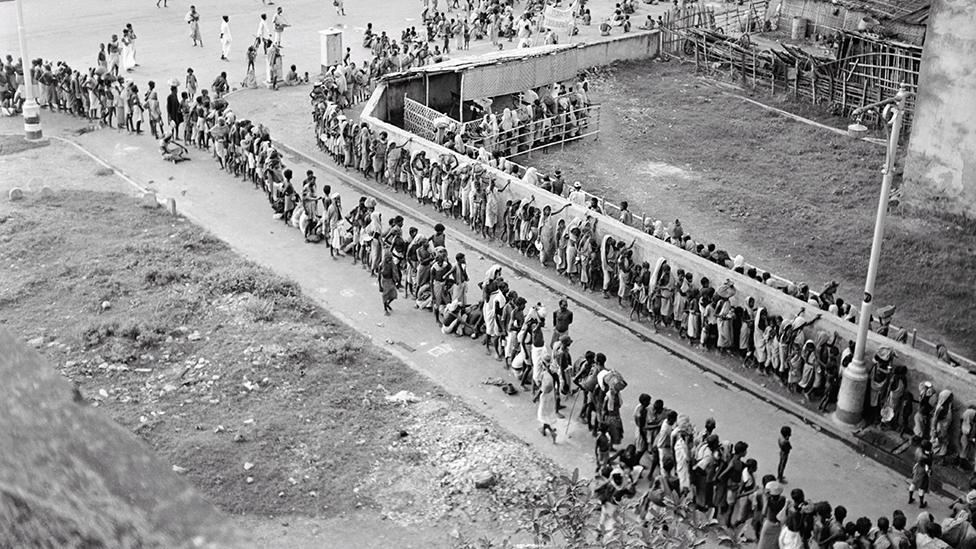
225 38
193 21
262 37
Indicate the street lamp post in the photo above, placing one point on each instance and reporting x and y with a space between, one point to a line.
853 386
32 110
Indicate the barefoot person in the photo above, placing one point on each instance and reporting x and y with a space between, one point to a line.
193 22
225 38
389 278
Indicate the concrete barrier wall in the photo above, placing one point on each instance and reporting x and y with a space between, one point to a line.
921 366
624 47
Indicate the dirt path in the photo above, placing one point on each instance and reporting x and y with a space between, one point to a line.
791 198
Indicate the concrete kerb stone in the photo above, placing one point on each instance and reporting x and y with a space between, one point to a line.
148 200
15 194
47 192
704 363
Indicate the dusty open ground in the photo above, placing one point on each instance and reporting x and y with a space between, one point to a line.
264 401
791 198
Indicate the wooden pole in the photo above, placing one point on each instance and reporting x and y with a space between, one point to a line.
832 87
843 95
796 80
813 85
754 67
697 62
743 68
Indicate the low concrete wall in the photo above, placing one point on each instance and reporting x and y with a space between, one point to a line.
921 366
625 47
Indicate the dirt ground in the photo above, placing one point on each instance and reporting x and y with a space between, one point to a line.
270 406
791 198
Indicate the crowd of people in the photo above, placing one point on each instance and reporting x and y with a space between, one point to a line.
713 475
716 476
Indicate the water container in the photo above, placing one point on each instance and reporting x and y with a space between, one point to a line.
799 30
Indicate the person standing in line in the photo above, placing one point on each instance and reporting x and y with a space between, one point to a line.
225 38
784 452
262 37
193 21
280 24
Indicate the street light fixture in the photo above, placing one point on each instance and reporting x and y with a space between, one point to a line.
853 386
32 109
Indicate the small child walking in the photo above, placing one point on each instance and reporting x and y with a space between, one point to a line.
784 451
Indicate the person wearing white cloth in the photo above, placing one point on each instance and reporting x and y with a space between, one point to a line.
225 38
261 37
280 24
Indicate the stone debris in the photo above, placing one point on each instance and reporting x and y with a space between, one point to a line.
484 479
403 397
459 466
194 336
248 466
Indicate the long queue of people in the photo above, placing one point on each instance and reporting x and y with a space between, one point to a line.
512 331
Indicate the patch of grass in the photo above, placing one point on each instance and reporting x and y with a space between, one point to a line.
163 277
11 144
791 198
104 172
247 279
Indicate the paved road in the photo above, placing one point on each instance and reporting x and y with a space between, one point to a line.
825 467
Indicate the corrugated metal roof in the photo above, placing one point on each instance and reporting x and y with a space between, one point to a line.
491 58
897 10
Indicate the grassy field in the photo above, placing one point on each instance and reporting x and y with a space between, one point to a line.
791 198
266 402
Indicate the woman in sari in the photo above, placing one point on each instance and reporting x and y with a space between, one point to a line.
665 294
681 287
608 262
506 132
941 420
531 177
547 235
375 233
759 338
808 356
491 209
333 217
725 316
392 156
572 253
